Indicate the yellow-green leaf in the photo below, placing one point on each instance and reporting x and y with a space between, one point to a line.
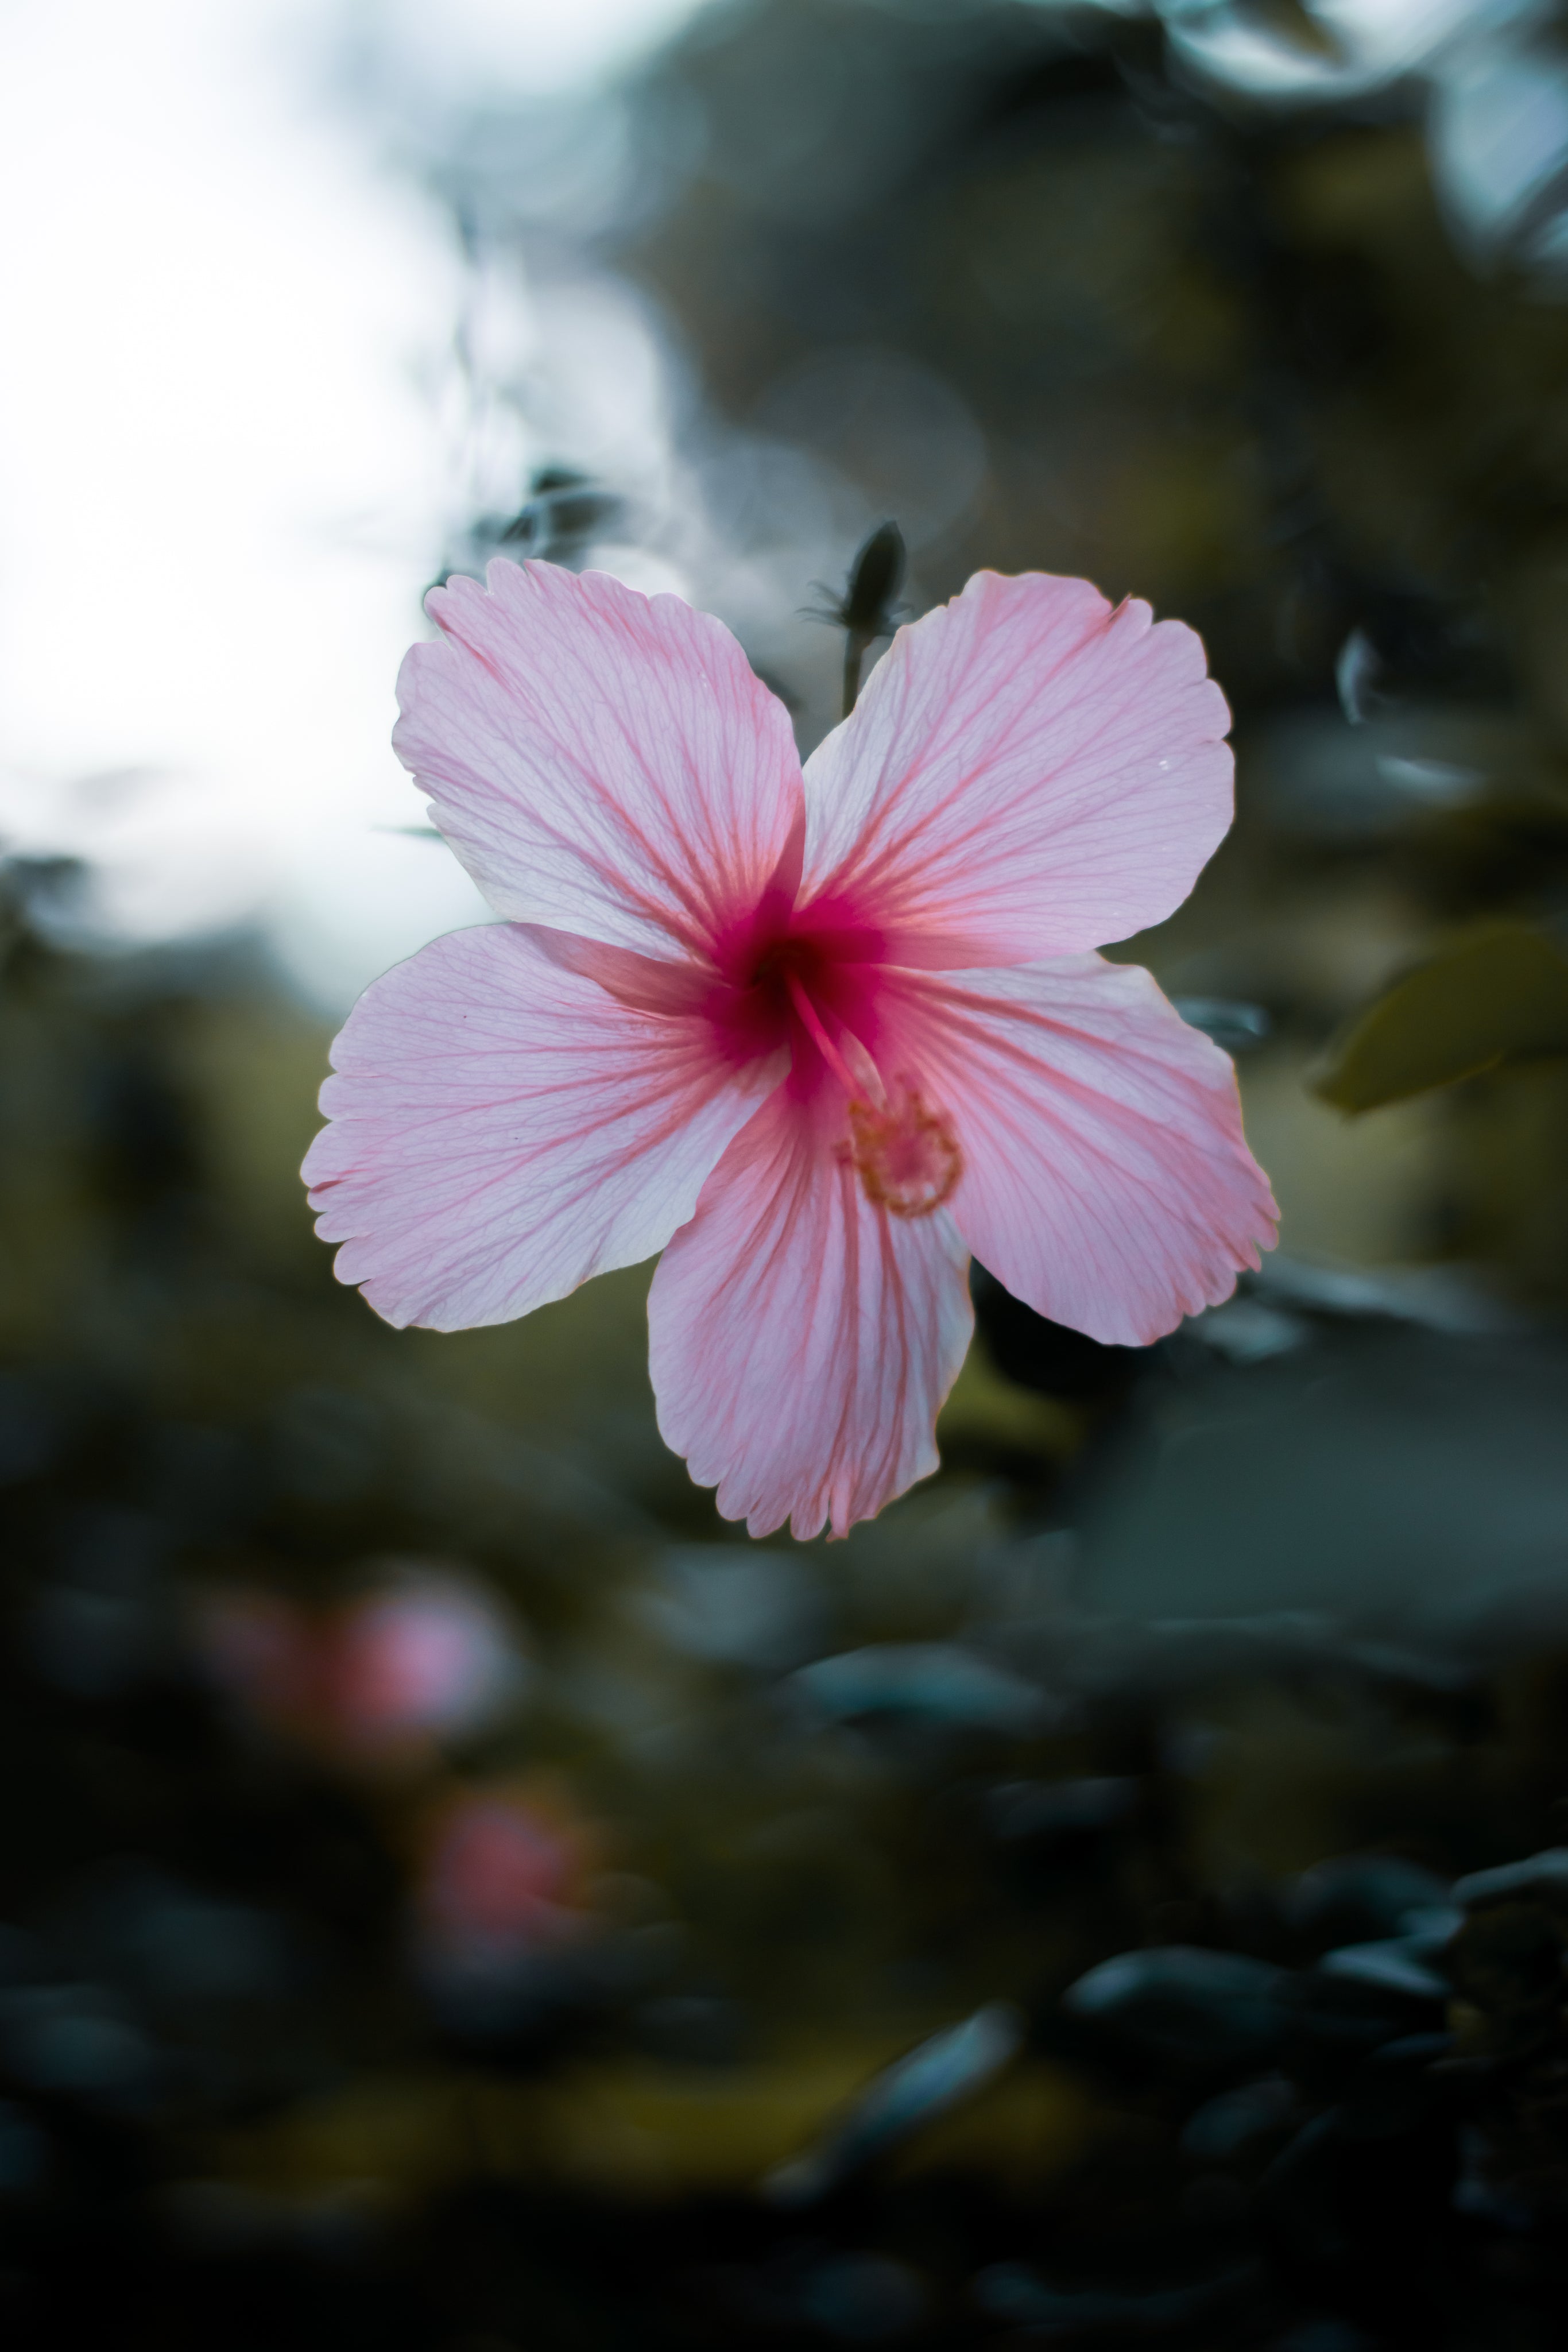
1499 996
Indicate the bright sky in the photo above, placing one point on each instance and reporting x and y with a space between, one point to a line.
226 460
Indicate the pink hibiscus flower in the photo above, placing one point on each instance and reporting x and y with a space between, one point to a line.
817 1036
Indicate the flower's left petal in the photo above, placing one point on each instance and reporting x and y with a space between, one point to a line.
1106 1179
801 1339
502 1128
602 761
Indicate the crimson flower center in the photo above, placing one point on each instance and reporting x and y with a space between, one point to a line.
820 993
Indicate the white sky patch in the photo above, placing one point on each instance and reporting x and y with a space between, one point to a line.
461 48
228 462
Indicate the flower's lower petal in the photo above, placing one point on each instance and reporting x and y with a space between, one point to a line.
502 1128
1106 1179
802 1341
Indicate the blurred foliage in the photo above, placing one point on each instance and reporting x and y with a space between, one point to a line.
1496 999
456 1895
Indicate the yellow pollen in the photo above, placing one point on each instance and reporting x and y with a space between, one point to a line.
907 1156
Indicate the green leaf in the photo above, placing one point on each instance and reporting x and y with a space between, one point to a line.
1499 996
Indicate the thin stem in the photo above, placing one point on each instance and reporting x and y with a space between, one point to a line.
854 654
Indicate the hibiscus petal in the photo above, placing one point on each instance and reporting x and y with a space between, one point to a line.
502 1128
1028 773
1106 1179
802 1341
602 761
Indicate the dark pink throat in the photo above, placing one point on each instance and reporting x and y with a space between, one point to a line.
795 978
814 982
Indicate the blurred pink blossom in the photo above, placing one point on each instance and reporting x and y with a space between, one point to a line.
433 1657
823 1034
429 1656
501 1877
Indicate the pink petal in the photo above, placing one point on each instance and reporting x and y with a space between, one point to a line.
602 761
1106 1179
1028 773
802 1341
502 1128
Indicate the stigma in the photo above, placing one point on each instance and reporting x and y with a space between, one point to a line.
907 1155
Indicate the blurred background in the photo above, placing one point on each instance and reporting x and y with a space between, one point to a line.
455 1891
